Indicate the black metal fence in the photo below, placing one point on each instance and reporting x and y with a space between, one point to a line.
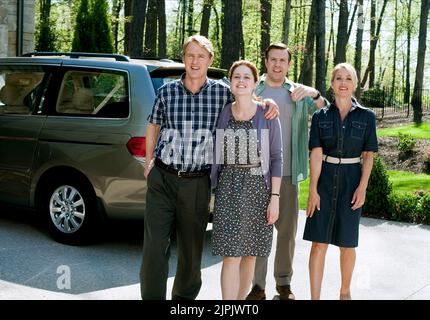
387 100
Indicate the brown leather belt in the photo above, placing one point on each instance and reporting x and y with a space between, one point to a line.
335 160
181 174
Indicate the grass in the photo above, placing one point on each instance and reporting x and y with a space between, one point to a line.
418 132
403 181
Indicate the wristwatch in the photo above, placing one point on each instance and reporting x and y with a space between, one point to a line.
317 96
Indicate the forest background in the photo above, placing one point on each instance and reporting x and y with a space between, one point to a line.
385 40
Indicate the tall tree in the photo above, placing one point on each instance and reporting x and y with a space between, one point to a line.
206 15
83 39
342 33
45 31
374 37
320 48
306 72
190 18
101 26
150 49
286 21
419 74
161 15
266 13
137 25
116 8
358 46
128 6
393 76
407 95
231 41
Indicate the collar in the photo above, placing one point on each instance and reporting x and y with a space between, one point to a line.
288 84
204 86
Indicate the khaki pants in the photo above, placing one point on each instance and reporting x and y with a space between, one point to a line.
181 205
286 227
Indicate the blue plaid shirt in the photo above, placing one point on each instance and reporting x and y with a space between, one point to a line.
188 122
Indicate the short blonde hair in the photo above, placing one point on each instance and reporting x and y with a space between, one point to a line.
349 68
202 41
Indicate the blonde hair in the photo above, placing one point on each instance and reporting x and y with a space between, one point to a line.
349 68
202 41
247 63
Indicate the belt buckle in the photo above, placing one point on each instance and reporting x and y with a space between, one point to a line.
179 173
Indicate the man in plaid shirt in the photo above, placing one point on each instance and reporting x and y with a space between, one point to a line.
178 157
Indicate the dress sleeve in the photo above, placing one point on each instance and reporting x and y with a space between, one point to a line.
314 136
371 140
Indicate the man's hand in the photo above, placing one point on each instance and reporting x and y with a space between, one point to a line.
148 167
273 111
300 91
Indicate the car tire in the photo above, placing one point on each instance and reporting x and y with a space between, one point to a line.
69 206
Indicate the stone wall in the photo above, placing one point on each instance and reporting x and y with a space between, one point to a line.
8 24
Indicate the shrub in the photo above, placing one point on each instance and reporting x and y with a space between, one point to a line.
423 214
404 206
378 189
406 144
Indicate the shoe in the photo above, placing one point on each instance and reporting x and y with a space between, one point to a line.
256 293
285 292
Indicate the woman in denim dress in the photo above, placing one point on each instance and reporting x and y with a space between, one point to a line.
342 142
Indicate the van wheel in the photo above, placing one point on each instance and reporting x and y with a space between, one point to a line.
71 211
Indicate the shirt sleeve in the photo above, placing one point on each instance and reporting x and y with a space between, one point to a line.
310 105
158 113
275 138
314 136
371 140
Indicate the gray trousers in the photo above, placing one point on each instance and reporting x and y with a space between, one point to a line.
181 205
286 227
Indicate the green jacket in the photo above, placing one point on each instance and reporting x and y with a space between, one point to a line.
299 131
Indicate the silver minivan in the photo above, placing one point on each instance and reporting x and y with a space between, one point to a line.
72 136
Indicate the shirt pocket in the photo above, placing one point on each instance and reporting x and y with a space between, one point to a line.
326 129
358 129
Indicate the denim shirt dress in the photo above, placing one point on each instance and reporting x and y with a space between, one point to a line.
336 223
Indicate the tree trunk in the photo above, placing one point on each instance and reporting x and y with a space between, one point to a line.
419 75
137 26
150 49
306 72
342 33
116 8
206 15
393 76
231 41
286 22
331 36
352 21
161 14
407 96
128 4
358 47
320 48
266 12
190 18
374 36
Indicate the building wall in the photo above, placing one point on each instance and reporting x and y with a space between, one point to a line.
8 24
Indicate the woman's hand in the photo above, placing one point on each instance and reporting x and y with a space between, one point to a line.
358 197
148 167
272 210
313 203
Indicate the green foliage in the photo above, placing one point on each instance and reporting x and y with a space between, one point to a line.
83 39
423 213
404 206
378 189
92 30
45 37
406 144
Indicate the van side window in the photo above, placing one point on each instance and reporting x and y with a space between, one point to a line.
94 94
19 91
